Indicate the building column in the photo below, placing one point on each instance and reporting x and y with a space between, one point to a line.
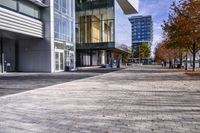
111 36
103 60
1 55
102 29
91 62
16 55
85 29
98 57
82 58
112 58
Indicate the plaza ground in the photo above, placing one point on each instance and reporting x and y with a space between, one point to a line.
11 83
138 99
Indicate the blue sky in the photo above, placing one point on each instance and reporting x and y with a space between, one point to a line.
158 9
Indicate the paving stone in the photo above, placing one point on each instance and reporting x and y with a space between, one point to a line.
144 99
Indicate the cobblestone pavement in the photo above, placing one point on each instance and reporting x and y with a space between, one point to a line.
11 83
142 100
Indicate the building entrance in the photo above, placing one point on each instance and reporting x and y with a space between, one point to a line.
59 60
8 55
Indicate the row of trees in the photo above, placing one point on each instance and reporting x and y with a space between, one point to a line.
181 32
144 52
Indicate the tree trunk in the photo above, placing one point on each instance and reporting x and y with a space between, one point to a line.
186 62
194 56
181 61
174 66
170 64
199 62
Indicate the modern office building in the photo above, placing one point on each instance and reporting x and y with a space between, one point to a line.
37 35
142 32
96 30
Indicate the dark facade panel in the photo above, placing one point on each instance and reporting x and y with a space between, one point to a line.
95 46
82 5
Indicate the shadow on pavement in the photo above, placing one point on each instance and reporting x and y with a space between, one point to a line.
12 83
194 74
149 71
157 74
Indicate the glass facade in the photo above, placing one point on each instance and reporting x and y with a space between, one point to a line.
96 26
142 32
142 28
94 21
64 20
122 28
22 6
64 23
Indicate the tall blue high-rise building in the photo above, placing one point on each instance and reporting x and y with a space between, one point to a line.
142 32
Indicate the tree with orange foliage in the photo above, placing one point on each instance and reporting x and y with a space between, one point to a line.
183 27
165 54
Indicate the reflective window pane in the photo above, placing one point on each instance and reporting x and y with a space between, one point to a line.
64 23
94 21
29 9
61 61
57 60
9 3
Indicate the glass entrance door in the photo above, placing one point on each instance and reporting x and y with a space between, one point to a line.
59 61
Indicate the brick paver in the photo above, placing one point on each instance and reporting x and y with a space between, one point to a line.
136 99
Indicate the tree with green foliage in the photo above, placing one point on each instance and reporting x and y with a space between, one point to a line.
126 56
145 51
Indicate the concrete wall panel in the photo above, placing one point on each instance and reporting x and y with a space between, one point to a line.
34 56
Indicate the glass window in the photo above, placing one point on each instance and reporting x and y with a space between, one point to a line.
57 60
9 3
56 4
72 9
61 61
67 7
29 9
64 6
64 23
25 7
72 31
56 26
37 13
95 25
